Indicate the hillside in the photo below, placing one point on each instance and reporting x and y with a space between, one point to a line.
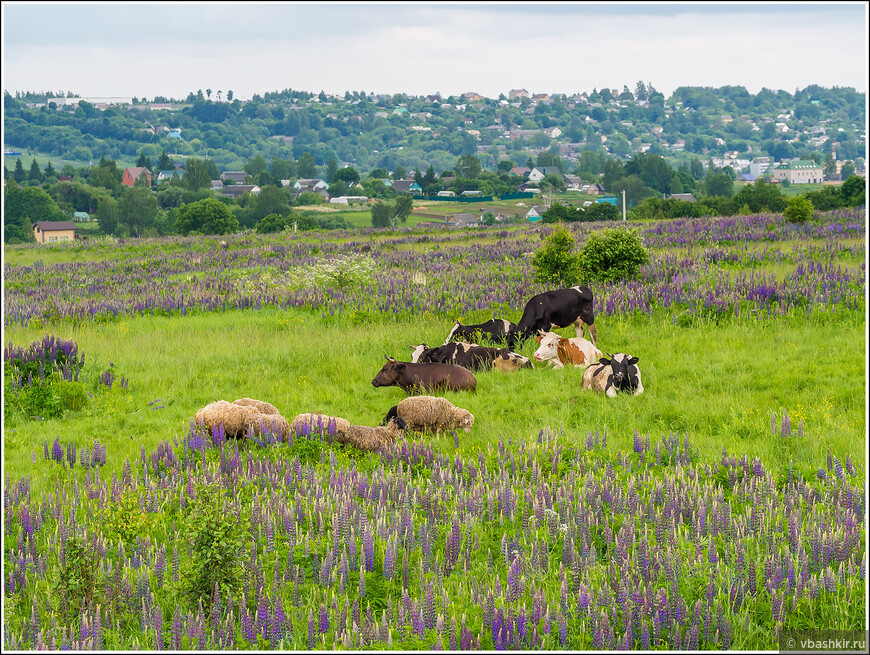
722 125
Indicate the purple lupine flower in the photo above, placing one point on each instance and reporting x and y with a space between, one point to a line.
786 425
362 581
312 630
324 620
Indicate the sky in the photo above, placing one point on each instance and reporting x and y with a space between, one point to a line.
170 49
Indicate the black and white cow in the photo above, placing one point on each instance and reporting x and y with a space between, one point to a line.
470 356
495 330
619 373
556 309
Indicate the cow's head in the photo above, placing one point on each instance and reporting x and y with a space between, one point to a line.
621 365
416 351
389 373
549 348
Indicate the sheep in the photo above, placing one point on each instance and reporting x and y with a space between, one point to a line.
366 438
431 412
239 419
262 406
319 422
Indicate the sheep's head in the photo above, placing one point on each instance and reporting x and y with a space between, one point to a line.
466 420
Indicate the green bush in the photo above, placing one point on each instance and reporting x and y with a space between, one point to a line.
615 254
799 209
557 262
216 547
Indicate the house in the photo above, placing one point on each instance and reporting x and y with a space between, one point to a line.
685 197
471 96
217 185
430 224
540 172
595 190
760 165
408 186
573 182
541 97
534 214
553 132
237 177
313 183
522 171
799 171
132 174
746 177
463 220
513 94
235 190
54 231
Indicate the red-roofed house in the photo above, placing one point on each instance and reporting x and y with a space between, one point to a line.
132 174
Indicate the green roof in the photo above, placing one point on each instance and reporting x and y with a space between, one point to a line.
799 164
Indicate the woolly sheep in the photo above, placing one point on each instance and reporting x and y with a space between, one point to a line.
319 422
432 413
238 419
366 438
261 406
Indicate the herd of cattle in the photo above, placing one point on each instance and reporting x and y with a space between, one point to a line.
449 366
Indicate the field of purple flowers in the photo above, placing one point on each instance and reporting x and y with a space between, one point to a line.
536 542
422 273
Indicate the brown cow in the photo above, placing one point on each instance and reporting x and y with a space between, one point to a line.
559 351
410 377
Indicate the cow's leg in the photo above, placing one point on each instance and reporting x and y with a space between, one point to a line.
593 333
610 392
578 327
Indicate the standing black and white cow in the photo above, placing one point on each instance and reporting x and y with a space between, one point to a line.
556 309
495 330
619 373
470 356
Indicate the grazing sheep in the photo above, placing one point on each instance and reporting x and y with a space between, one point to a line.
319 422
432 413
262 406
239 419
366 438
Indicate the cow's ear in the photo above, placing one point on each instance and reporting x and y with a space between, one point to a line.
401 367
539 339
604 361
633 360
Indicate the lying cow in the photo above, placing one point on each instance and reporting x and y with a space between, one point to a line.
556 309
619 373
411 376
470 356
495 330
559 351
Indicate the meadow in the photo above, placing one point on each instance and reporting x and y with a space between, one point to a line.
721 509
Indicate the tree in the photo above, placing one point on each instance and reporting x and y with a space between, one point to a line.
137 210
165 162
331 170
18 174
468 167
615 254
799 209
197 176
207 216
718 184
271 200
854 191
557 262
306 168
32 203
761 196
49 171
256 165
348 175
404 206
230 95
107 214
847 170
382 214
399 172
144 161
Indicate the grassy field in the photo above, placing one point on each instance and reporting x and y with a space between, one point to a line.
720 509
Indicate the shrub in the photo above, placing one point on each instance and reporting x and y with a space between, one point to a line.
216 546
557 262
78 584
799 209
615 254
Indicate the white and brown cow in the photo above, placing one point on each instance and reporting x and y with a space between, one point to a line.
559 351
619 373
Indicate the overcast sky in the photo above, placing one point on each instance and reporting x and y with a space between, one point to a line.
170 49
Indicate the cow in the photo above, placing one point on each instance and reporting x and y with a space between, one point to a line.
619 373
556 309
559 351
495 330
470 356
411 376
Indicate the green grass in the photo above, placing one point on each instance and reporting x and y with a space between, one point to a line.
717 384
